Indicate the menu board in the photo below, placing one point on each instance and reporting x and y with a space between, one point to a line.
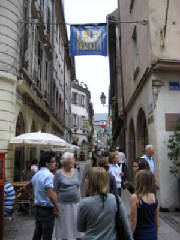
1 211
2 180
1 169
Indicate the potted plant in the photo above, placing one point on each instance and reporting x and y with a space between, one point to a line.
173 154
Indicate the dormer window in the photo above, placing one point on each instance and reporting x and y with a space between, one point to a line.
74 98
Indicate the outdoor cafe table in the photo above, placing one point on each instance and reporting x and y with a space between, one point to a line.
22 197
19 185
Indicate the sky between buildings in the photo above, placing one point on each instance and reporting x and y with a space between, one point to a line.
93 70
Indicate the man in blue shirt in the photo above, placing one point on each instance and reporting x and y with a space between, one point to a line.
45 198
9 198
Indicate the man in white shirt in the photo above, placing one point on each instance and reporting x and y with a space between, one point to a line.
121 155
34 166
149 150
123 163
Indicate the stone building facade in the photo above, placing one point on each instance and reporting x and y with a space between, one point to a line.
144 71
35 75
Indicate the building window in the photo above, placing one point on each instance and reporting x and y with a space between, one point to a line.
42 6
46 73
39 65
81 122
48 22
74 98
131 6
82 100
75 121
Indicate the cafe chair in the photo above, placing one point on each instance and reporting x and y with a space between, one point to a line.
12 217
24 204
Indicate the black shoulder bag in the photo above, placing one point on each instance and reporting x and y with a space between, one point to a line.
121 234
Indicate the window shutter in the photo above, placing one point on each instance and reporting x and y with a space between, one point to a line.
80 122
71 120
78 119
79 99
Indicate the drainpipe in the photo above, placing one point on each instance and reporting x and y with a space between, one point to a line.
64 86
53 48
121 75
165 25
120 48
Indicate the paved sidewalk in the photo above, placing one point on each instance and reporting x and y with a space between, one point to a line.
25 224
84 167
172 219
166 232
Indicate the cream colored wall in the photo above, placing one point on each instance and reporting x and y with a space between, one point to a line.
9 34
10 108
129 60
150 49
157 135
157 15
166 103
148 37
143 101
7 116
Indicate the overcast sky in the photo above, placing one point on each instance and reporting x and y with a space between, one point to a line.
93 70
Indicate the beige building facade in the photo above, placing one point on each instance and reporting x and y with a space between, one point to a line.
35 76
147 75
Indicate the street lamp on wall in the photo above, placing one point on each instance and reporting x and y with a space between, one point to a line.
103 98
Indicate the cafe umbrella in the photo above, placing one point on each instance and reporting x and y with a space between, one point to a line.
39 139
68 148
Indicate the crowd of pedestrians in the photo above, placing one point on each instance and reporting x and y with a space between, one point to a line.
143 202
55 190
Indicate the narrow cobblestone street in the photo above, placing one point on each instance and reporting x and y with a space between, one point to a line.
26 226
89 84
169 222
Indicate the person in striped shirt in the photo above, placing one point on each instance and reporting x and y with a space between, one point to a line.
9 198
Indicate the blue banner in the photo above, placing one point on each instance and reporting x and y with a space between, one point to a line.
88 40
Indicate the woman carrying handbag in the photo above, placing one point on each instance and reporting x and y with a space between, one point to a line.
97 214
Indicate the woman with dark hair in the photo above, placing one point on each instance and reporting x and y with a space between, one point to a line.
138 164
144 207
96 213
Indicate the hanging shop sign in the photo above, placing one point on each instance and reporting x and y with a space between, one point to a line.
85 124
88 39
174 86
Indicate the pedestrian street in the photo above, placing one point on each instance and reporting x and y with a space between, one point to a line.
25 223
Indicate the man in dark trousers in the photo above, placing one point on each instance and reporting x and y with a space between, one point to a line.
96 155
45 199
122 161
